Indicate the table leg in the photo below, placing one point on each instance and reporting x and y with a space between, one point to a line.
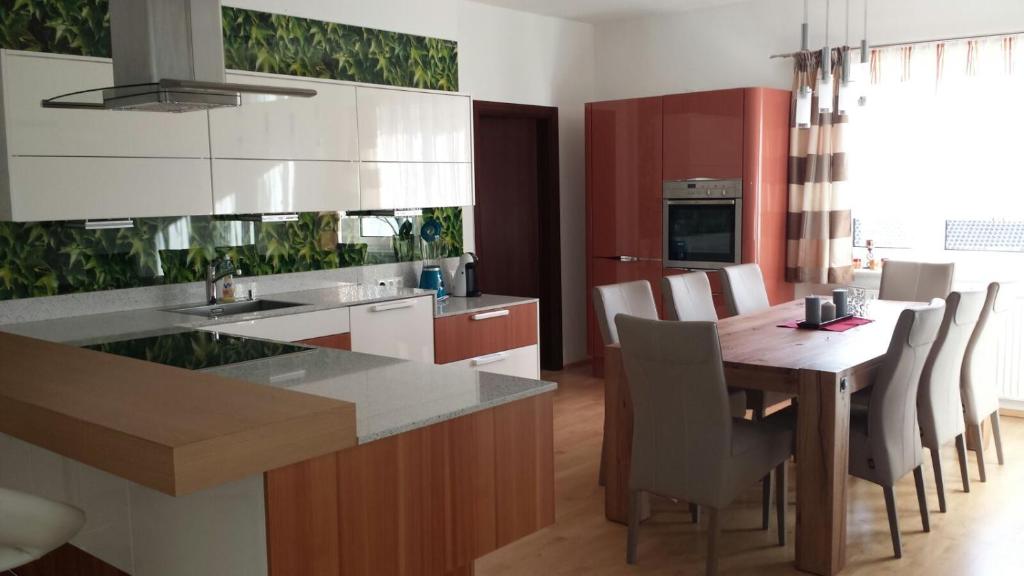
823 438
618 435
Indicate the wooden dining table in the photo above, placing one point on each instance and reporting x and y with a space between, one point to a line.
821 369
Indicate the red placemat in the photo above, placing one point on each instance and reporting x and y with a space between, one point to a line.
841 326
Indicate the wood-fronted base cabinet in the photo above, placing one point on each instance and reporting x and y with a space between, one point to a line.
426 502
501 341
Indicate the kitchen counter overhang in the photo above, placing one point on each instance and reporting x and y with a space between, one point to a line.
166 428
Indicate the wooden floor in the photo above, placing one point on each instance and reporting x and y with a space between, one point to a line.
983 532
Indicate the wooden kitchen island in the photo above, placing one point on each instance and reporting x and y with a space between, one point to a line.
319 462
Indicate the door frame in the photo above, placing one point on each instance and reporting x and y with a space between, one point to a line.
549 214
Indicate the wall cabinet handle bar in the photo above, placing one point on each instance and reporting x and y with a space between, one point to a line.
488 315
489 359
393 306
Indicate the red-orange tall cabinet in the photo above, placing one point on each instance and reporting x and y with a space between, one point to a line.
635 145
624 175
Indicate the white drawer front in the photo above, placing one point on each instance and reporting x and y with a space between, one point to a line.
70 188
290 328
384 185
523 362
399 329
260 186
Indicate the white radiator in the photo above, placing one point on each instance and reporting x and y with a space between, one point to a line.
1010 358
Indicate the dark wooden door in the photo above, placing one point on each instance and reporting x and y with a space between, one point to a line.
508 219
517 212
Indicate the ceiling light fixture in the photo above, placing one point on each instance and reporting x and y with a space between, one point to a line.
825 85
804 92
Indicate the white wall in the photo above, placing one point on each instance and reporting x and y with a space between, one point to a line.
510 56
728 46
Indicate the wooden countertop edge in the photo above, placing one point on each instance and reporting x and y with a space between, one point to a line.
122 444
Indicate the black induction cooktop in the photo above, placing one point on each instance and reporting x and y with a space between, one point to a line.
196 349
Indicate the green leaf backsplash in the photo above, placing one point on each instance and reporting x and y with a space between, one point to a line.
49 258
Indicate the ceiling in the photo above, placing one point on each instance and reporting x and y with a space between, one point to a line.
604 10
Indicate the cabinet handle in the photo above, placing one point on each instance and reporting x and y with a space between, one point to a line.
489 359
489 315
393 306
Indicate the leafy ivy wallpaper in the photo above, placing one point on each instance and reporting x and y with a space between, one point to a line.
49 258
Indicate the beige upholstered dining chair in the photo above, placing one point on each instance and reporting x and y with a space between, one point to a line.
634 298
745 293
977 379
31 527
685 443
688 297
744 289
915 281
885 441
939 410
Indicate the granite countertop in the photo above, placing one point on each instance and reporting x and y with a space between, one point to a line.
391 395
97 328
454 306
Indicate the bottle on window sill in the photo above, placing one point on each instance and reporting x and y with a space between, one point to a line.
873 263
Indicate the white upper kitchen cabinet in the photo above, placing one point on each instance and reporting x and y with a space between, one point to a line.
61 164
397 125
291 155
318 128
31 130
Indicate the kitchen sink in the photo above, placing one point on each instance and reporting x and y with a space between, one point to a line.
234 308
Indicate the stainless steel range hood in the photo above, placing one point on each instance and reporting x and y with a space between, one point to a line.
169 57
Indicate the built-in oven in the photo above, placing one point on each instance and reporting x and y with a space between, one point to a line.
703 223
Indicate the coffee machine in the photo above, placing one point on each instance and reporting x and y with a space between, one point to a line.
465 281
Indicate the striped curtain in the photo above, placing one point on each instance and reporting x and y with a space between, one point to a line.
819 246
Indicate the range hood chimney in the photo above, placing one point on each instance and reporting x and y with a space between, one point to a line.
169 57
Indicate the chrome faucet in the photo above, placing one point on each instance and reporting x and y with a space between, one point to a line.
213 274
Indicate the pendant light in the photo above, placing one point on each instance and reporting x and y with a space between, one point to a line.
862 71
849 91
825 84
804 93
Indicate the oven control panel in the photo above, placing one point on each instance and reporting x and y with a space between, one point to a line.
697 189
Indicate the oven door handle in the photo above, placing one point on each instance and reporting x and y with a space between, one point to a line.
727 202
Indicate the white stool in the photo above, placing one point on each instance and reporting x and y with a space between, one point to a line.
31 526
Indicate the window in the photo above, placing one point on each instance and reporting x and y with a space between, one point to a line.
940 148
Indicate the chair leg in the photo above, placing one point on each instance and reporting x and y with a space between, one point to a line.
714 531
633 535
980 452
766 499
937 467
922 502
997 436
695 513
780 501
961 453
894 523
603 470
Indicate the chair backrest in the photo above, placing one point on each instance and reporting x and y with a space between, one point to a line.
939 409
892 417
688 298
744 289
633 298
915 281
682 430
978 375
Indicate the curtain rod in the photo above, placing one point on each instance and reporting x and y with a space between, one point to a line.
932 41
